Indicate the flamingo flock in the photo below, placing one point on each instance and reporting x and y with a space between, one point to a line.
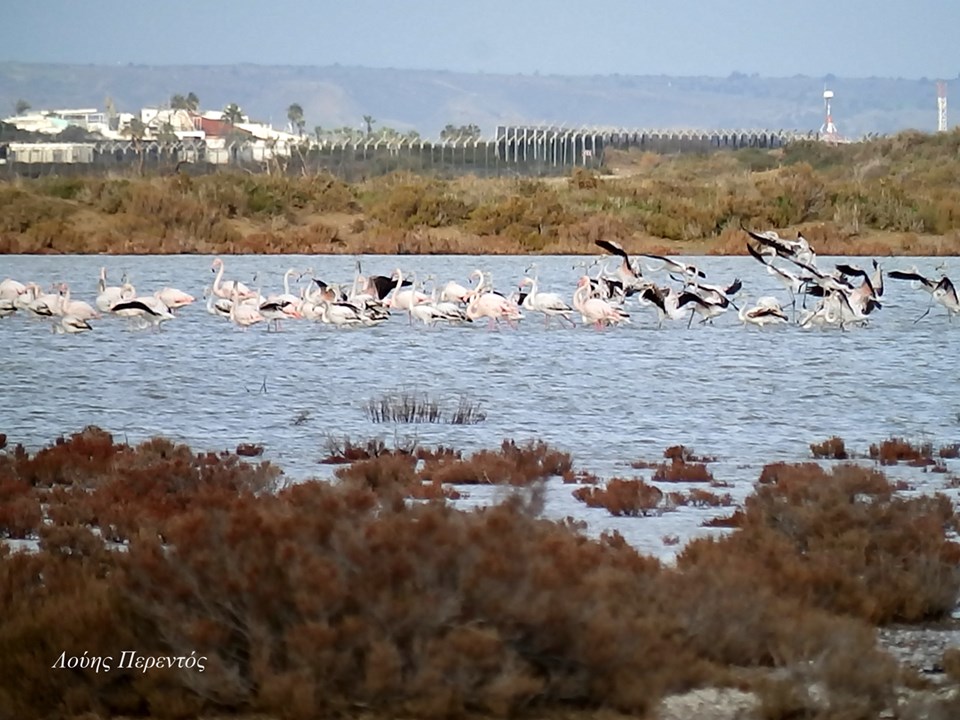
649 288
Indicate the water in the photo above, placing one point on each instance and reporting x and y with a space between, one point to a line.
745 395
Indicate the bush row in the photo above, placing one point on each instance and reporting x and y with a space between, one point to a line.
346 597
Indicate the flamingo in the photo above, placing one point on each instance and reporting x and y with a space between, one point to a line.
767 311
10 289
405 299
108 296
665 300
550 304
173 298
217 306
493 307
148 309
44 305
244 315
76 308
72 325
625 272
7 307
225 289
594 310
792 283
942 291
676 266
798 250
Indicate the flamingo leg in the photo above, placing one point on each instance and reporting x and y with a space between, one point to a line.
925 313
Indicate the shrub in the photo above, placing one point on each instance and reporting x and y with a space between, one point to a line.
894 450
832 448
622 497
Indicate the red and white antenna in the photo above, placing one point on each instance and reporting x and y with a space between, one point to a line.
828 130
941 106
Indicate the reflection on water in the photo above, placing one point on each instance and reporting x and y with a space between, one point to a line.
744 395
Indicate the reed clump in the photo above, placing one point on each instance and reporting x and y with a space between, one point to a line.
420 407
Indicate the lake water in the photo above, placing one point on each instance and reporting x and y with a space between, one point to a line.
745 395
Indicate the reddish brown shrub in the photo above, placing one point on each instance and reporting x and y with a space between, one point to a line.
947 452
832 448
512 464
622 497
249 450
20 512
843 542
735 520
705 498
682 471
681 453
895 450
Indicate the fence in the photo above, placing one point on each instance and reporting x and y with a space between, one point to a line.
514 151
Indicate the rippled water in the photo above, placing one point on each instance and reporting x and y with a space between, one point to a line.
745 395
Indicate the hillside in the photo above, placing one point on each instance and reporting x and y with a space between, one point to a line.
428 100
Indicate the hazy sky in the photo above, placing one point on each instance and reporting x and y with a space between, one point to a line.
849 38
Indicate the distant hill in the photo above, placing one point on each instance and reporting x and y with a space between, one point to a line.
426 100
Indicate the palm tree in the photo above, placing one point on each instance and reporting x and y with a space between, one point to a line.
191 102
232 114
21 106
136 130
368 119
295 116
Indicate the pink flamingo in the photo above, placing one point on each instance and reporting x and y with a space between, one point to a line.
244 315
494 307
225 289
173 298
594 310
76 308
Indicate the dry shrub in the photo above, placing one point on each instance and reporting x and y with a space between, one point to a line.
419 609
832 448
704 498
894 450
682 453
734 520
249 450
344 451
842 541
622 497
512 464
679 470
319 599
947 452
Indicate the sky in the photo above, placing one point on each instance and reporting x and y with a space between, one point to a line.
772 38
